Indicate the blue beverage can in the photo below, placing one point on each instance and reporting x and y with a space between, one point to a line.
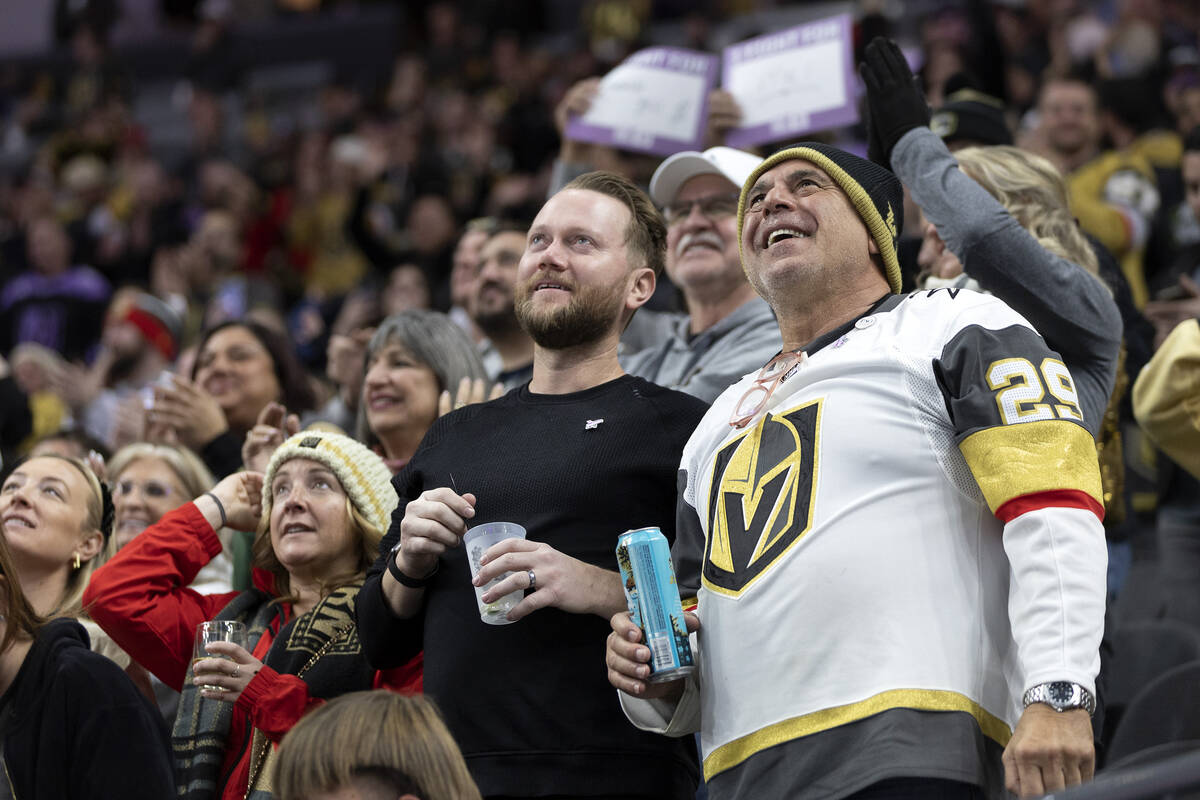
653 598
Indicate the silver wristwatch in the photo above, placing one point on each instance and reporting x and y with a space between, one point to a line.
1061 696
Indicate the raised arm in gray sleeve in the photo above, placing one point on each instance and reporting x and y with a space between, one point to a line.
1071 308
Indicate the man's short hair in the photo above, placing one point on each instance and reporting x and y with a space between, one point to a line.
646 234
1069 79
485 224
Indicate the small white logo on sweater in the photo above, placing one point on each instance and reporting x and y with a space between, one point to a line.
592 424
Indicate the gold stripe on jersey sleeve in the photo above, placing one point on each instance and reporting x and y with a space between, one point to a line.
1013 460
733 753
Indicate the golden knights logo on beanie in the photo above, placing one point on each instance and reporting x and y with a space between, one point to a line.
969 116
873 191
365 478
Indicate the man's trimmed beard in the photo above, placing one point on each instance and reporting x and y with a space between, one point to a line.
498 321
124 366
588 317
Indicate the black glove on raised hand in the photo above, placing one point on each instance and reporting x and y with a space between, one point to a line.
895 101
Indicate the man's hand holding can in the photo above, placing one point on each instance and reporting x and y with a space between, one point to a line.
628 659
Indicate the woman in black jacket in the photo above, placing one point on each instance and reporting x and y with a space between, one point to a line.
72 724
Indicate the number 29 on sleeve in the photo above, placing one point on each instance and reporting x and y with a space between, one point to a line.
1021 387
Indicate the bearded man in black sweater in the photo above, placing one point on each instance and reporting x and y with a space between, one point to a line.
580 454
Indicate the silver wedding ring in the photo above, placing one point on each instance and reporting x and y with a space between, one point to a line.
532 580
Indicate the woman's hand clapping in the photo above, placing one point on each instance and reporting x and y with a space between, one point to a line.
274 425
192 413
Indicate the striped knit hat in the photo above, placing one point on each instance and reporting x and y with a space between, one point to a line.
365 478
158 323
874 191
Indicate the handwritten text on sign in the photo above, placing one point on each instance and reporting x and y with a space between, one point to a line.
655 101
792 82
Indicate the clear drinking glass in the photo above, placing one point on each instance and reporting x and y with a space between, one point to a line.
221 630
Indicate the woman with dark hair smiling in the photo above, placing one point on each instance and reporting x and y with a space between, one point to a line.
240 368
60 703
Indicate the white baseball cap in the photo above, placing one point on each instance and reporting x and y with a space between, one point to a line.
736 165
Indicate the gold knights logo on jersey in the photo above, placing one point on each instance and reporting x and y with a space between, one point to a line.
761 497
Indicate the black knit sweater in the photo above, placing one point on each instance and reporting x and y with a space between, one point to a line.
529 703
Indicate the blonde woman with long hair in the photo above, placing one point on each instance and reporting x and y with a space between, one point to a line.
1032 190
147 480
57 558
75 726
377 744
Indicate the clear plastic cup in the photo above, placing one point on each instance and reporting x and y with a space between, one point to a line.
477 541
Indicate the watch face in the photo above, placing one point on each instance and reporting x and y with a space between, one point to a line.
1060 692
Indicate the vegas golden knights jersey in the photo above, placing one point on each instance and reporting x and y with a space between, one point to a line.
912 523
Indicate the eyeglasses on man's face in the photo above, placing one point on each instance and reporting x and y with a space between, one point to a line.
715 207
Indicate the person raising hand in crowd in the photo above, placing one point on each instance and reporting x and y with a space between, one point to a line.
240 368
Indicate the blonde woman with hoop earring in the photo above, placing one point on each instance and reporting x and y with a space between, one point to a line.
60 703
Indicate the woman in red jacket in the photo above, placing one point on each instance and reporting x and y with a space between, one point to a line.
320 511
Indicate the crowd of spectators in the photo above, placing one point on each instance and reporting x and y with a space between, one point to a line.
216 232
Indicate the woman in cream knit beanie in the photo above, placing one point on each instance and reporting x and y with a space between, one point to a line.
320 510
364 478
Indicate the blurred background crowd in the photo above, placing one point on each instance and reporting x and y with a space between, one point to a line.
312 165
309 168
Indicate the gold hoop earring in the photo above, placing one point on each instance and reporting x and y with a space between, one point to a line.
77 561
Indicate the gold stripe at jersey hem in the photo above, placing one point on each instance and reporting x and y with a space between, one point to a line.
733 753
1010 461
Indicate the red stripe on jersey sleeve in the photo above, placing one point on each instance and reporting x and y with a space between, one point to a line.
1058 498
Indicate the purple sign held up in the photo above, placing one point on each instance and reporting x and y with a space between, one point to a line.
792 82
655 101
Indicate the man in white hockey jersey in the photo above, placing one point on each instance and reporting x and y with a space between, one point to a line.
893 529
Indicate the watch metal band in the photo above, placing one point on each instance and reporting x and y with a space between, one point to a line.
1061 696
